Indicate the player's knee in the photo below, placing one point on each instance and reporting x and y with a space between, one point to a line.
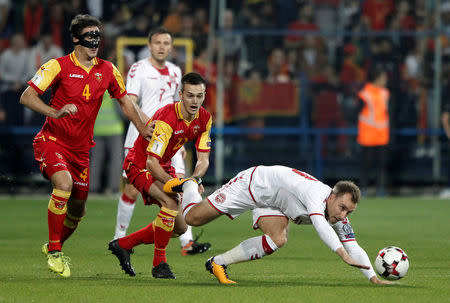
279 239
64 186
130 191
179 230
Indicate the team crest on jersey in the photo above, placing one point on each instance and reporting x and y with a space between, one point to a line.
196 129
347 228
98 76
220 198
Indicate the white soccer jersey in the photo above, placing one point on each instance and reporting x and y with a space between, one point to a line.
154 88
278 191
295 193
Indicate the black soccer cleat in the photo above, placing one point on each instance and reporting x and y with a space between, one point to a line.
123 255
194 247
162 271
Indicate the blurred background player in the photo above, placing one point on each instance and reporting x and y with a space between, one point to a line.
373 129
148 167
275 195
154 82
62 146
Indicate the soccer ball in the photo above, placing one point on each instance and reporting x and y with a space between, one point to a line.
392 263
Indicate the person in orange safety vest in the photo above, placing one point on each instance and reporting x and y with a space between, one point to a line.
373 128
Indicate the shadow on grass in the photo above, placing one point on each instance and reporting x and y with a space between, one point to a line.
148 280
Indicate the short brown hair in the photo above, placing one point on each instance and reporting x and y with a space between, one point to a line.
343 187
157 31
80 22
193 79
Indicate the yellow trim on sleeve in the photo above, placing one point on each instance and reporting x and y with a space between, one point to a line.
119 78
205 138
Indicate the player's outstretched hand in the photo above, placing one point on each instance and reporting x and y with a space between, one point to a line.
355 264
149 129
201 189
68 109
349 260
375 280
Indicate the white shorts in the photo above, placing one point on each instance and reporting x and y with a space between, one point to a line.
234 198
132 134
177 163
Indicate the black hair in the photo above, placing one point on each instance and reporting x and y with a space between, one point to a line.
157 31
80 22
193 79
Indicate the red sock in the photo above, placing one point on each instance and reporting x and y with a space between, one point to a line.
57 207
69 226
145 235
127 199
164 224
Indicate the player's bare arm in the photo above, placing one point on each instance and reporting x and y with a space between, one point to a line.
30 99
156 170
202 164
201 167
136 116
349 260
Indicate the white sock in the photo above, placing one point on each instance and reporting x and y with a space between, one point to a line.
124 214
250 249
190 196
186 237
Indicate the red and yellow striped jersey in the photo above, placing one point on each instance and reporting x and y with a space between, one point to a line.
73 83
172 131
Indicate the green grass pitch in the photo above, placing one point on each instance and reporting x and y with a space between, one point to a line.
305 270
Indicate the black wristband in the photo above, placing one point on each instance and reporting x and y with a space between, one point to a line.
198 179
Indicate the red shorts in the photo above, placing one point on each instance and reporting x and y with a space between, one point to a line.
142 180
53 158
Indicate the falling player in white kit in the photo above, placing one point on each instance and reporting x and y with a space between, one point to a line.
153 82
275 195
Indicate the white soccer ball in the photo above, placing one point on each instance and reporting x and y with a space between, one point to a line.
392 263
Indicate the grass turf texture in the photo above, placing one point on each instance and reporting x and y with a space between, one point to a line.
305 270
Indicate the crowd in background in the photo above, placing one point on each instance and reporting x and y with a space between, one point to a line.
334 67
